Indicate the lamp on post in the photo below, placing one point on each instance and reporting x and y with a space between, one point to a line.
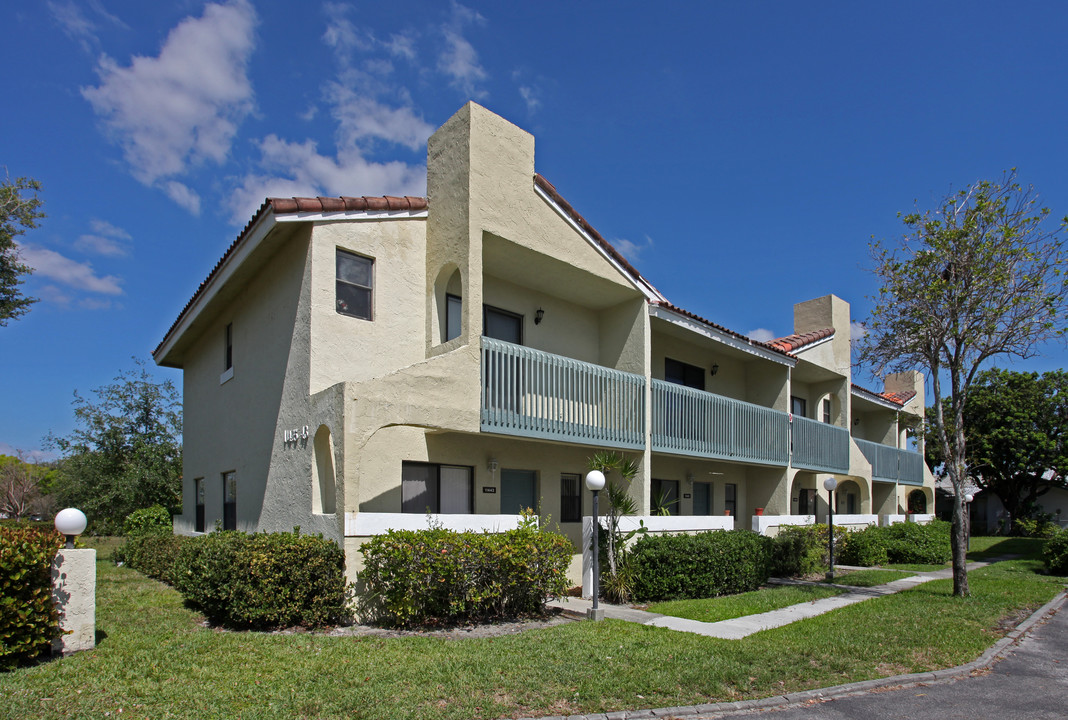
830 483
968 521
70 522
595 482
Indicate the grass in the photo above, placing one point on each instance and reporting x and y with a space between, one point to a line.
748 603
986 548
154 659
869 578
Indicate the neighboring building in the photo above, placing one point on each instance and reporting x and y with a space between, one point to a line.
351 363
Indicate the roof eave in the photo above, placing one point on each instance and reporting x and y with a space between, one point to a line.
746 345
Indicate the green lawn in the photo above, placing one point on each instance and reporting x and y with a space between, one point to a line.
155 660
749 603
869 578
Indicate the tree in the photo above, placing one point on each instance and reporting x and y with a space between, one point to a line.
24 486
1015 426
979 277
126 452
17 214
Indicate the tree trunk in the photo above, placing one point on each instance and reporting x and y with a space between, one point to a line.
960 546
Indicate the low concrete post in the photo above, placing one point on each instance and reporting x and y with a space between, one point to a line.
74 592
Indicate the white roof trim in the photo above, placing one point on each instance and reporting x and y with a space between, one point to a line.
696 326
647 289
875 398
814 343
351 215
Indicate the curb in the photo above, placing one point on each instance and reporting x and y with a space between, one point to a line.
725 709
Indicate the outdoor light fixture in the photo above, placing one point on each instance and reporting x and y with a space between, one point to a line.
689 478
968 521
70 522
595 482
714 370
492 466
830 483
538 316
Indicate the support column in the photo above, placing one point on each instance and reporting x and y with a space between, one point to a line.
74 592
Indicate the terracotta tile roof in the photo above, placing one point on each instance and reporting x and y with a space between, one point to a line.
564 205
898 398
791 343
289 206
756 343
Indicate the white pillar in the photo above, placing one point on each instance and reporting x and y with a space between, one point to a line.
74 592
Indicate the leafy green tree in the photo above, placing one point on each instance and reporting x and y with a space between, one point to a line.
25 487
977 278
18 213
126 452
1016 428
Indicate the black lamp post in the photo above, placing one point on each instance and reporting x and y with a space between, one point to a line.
595 481
830 483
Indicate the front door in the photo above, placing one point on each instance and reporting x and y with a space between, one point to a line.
519 491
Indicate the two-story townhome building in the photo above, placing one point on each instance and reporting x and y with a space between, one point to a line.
352 364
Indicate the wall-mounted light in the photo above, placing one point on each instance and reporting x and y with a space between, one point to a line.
689 478
856 421
538 316
715 369
492 466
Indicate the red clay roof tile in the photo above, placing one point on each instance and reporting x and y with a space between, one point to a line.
698 318
792 343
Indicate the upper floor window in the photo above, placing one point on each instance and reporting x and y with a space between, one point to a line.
229 346
826 410
798 406
502 325
355 278
682 373
454 312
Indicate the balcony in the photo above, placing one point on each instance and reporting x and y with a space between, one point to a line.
531 393
889 464
818 446
692 422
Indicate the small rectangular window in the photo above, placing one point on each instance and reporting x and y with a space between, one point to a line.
681 373
664 497
427 487
198 492
229 360
827 410
570 497
454 307
355 282
730 499
502 325
230 500
798 406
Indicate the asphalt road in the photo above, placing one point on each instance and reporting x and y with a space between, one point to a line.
1030 683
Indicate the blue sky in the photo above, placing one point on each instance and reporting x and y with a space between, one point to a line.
741 154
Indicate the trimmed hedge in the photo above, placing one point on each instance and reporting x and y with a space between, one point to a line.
801 550
155 520
706 564
1055 553
437 576
29 620
899 543
154 555
263 581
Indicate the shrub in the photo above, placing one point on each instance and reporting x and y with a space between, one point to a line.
1055 553
910 542
1040 526
440 576
802 550
866 547
706 564
265 580
29 620
155 520
154 555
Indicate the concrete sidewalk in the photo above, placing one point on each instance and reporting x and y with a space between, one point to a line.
738 628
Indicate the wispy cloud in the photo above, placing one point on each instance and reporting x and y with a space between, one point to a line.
105 239
182 108
761 335
857 331
631 250
79 26
71 273
459 60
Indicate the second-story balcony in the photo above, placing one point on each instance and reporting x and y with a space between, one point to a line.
693 422
537 394
819 446
889 464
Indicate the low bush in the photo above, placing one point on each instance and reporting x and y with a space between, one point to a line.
28 617
867 547
439 576
898 543
152 554
155 520
1040 526
263 581
801 550
1055 553
707 564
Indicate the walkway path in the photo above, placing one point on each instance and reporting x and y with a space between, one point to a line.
737 628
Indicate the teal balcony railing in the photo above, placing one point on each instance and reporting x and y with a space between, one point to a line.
890 464
819 446
692 422
532 393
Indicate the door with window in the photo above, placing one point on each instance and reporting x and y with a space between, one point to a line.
199 492
506 389
432 488
519 491
230 500
664 497
702 498
806 501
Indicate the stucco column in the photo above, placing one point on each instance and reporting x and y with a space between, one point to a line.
74 592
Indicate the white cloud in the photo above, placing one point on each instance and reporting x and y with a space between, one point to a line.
631 250
362 118
105 239
459 59
77 25
857 330
183 107
761 335
309 173
530 97
80 276
183 195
